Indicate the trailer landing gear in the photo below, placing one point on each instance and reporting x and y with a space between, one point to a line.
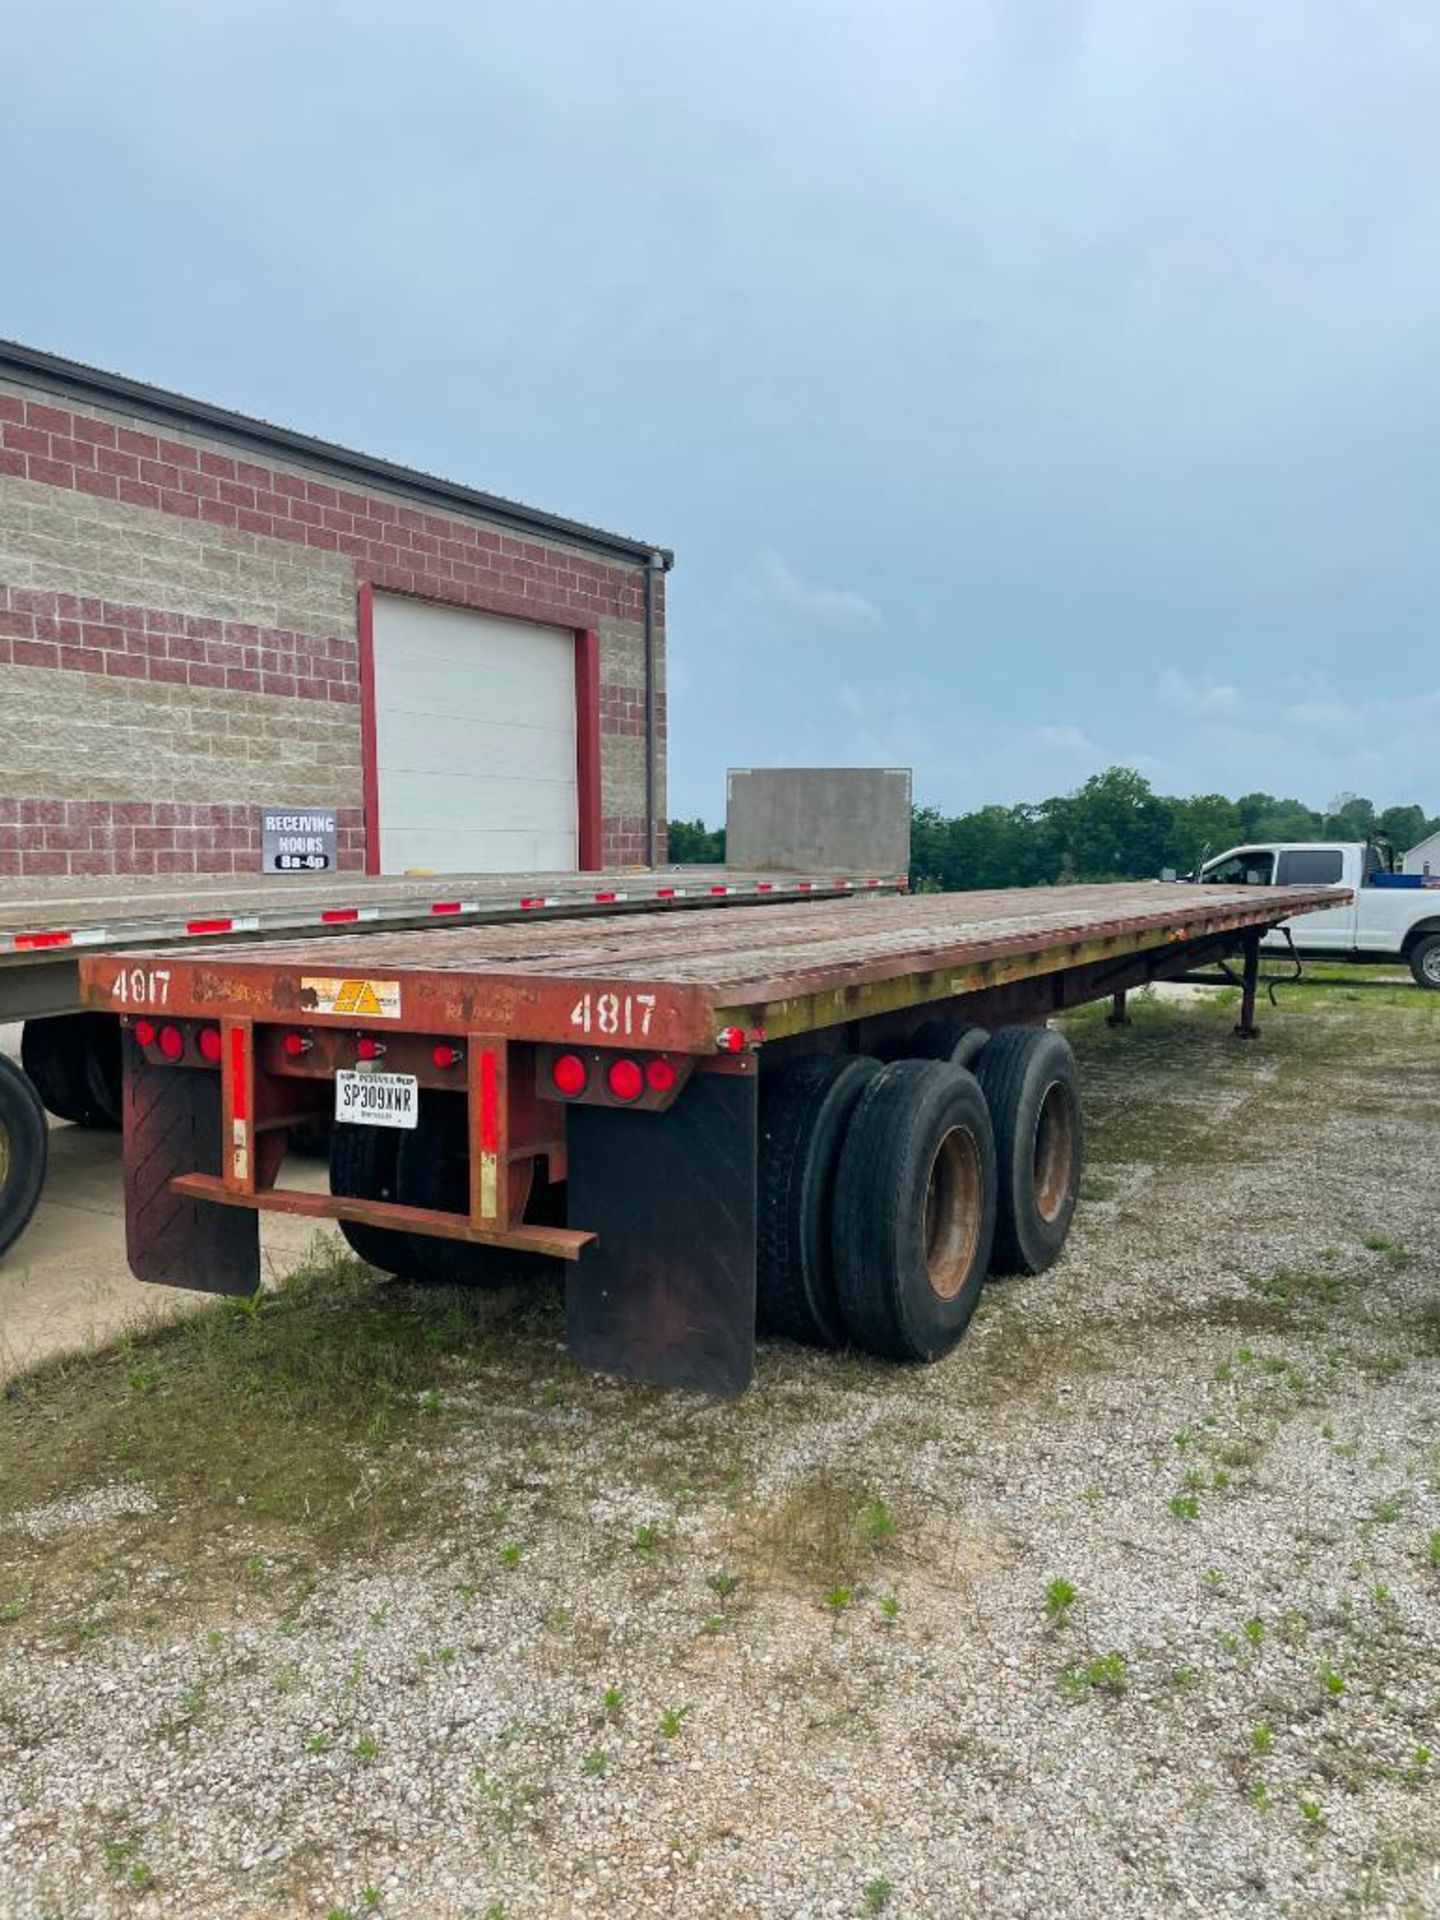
1245 1026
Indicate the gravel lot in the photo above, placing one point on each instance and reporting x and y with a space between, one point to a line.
555 1646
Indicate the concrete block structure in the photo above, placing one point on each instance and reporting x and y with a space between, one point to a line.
201 614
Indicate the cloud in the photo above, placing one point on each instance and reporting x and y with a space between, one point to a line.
771 583
1199 698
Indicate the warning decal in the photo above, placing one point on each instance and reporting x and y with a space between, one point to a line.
377 999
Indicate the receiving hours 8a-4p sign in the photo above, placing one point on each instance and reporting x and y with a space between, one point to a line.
297 840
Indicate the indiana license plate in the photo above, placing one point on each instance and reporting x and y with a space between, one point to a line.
377 1099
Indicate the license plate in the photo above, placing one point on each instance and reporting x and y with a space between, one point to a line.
377 1099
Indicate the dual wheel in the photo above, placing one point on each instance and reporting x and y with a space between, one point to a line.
73 1063
887 1191
428 1166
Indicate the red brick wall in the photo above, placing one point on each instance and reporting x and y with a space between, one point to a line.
41 838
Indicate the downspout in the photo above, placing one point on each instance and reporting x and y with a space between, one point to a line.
655 564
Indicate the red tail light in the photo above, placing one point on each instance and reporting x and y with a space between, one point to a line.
370 1049
624 1079
568 1075
210 1045
172 1042
444 1056
660 1076
296 1044
730 1039
145 1033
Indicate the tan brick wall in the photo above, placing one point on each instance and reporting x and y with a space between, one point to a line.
72 735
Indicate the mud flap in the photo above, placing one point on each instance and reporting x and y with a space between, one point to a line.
668 1294
173 1125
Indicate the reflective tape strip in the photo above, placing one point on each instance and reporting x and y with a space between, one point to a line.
29 942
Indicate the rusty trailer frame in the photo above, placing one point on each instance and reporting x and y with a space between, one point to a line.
660 1232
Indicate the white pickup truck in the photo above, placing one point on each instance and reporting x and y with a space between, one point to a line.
1392 916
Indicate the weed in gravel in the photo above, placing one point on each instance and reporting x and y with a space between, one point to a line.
1060 1597
838 1599
1311 1813
365 1749
1259 1796
1185 1506
671 1721
1434 1548
596 1763
1107 1673
877 1896
511 1554
723 1584
1332 1680
611 1701
1262 1739
319 1743
890 1609
1389 1508
1254 1630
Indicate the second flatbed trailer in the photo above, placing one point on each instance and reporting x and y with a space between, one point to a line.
835 1116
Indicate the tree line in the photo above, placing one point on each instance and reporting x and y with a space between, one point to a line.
1114 827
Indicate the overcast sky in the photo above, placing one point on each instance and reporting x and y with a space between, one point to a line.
1024 386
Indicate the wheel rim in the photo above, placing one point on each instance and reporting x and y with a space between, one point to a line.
954 1206
4 1156
1430 966
1054 1152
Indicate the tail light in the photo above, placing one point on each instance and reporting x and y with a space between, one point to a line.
145 1033
660 1076
210 1045
172 1042
568 1075
296 1045
368 1049
447 1056
625 1079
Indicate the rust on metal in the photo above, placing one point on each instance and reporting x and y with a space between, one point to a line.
560 1243
651 983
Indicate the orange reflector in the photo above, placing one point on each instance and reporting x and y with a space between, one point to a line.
624 1079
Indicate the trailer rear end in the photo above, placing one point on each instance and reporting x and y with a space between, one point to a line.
834 1117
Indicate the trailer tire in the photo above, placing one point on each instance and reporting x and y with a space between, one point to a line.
433 1170
1424 959
914 1209
362 1167
54 1052
104 1072
24 1148
1030 1084
804 1112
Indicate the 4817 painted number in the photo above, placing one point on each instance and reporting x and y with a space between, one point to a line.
629 1014
142 987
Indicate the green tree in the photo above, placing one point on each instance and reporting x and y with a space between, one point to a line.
692 843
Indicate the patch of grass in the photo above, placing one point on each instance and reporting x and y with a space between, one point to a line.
1262 1739
302 1417
671 1721
877 1896
824 1531
1185 1506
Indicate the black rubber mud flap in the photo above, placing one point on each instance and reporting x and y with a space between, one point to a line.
668 1294
172 1125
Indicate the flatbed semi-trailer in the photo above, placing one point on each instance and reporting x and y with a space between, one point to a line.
70 1063
840 1113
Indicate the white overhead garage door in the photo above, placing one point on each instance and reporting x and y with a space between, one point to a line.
474 740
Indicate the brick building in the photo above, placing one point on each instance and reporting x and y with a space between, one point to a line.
201 614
